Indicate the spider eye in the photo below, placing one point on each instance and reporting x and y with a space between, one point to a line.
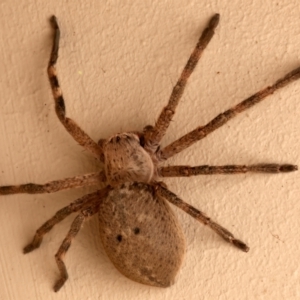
142 141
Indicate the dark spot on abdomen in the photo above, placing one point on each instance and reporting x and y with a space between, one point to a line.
136 230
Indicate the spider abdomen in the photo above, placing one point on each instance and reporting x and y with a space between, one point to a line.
141 235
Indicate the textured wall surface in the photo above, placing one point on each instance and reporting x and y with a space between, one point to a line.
118 63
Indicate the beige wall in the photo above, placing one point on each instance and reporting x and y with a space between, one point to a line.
118 63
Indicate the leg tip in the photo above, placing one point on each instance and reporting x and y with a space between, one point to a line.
53 18
214 21
288 168
5 190
28 249
241 245
53 21
59 283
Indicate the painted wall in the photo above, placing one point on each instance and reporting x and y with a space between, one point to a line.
118 63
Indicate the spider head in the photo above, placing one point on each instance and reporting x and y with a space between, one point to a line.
126 160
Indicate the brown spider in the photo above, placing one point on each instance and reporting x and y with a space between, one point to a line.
138 229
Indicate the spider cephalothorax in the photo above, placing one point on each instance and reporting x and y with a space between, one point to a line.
126 160
138 229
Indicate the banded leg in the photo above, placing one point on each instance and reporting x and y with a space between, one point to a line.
75 227
201 217
60 215
186 171
153 135
202 131
54 186
75 131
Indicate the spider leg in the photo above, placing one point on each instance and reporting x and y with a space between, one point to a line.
60 215
202 131
186 171
75 131
200 216
153 135
54 186
75 227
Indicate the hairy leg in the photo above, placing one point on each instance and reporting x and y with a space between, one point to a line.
153 135
185 171
75 131
75 227
54 186
60 215
202 131
198 215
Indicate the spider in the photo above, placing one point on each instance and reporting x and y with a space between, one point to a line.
138 229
